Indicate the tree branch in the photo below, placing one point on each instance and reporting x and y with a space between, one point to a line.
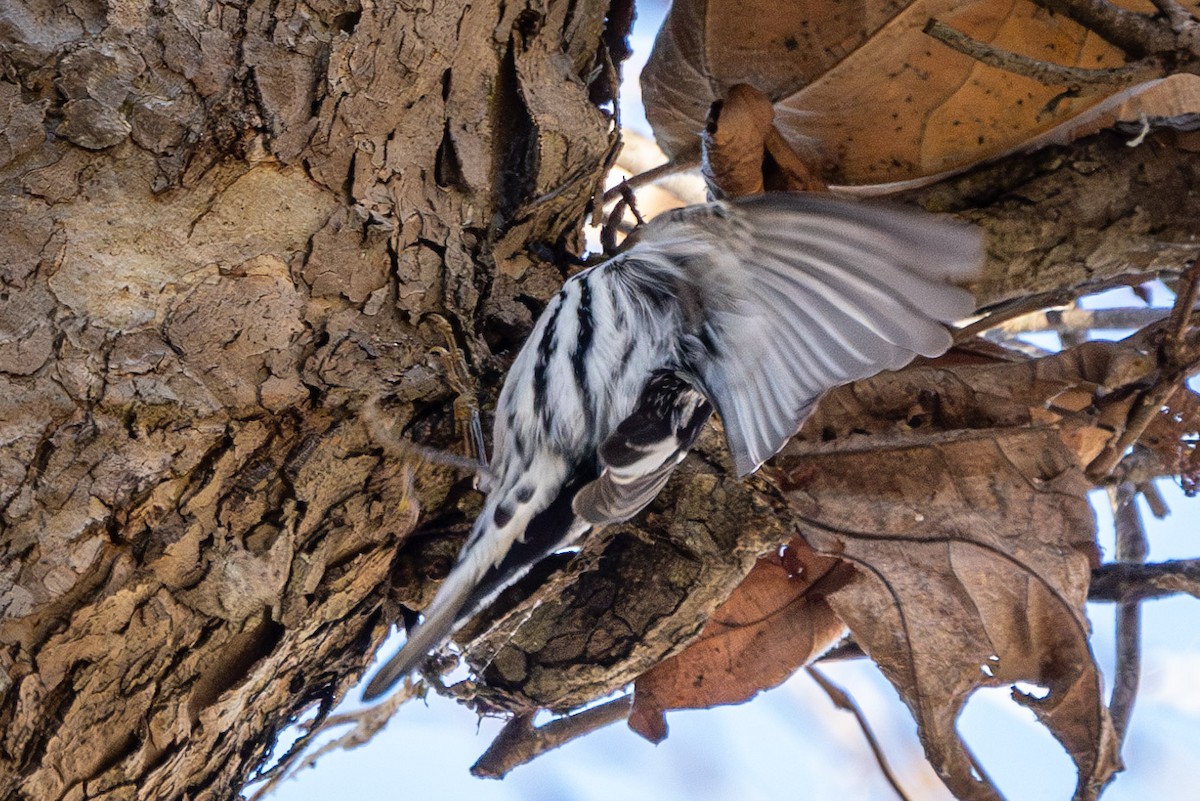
1177 361
520 741
1081 320
1134 33
1179 17
1118 581
1131 549
1044 72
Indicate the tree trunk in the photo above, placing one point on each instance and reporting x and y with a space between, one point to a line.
242 240
228 226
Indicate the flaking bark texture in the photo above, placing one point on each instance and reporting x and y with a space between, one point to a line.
226 228
230 230
1069 216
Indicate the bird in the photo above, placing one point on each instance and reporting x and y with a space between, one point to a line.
752 307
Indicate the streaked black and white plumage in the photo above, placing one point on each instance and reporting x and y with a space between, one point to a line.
753 307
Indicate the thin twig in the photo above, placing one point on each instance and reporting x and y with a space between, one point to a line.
1118 581
1080 320
1154 499
631 201
1176 14
1175 364
842 700
1131 549
687 161
608 234
640 153
403 449
1135 34
1017 307
520 741
1071 337
1181 312
365 723
1044 72
844 651
1148 406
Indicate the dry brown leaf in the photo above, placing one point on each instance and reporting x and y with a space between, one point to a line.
734 141
1175 96
974 556
964 509
744 153
704 48
861 86
771 625
976 543
1172 437
1083 393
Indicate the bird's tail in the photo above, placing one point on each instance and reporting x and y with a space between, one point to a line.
478 578
441 618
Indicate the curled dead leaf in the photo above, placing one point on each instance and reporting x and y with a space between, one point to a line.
776 621
1174 439
743 152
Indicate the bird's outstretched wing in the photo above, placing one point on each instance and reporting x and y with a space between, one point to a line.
787 296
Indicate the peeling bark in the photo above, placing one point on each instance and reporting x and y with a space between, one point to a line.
224 230
1081 215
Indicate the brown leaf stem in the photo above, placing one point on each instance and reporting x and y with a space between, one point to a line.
520 741
842 700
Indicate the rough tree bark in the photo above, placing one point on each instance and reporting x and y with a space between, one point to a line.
227 226
229 229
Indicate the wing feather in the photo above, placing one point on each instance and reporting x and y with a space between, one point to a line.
639 457
818 292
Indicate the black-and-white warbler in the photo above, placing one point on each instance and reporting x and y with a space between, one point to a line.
755 307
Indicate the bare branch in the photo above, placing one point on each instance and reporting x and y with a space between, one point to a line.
1154 499
1131 549
1179 17
1177 361
1134 33
365 723
1079 320
1044 72
520 741
1117 581
654 174
1181 313
844 651
1001 313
